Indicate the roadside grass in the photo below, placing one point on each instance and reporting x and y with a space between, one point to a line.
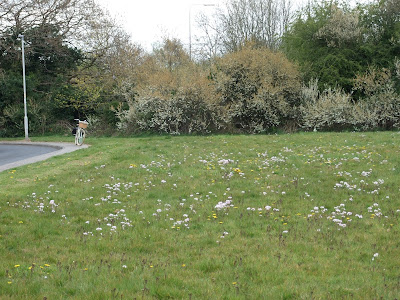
301 216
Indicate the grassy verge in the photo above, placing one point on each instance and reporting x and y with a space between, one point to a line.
220 217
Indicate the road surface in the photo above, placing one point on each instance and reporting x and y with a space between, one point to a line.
15 154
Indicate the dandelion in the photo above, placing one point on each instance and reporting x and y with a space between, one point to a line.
124 266
17 266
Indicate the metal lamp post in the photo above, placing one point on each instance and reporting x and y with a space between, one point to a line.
190 25
24 83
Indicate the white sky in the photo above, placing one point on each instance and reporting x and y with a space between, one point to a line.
149 20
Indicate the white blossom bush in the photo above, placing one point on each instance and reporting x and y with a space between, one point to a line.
181 115
331 109
334 109
258 115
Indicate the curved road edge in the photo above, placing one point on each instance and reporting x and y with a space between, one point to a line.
62 148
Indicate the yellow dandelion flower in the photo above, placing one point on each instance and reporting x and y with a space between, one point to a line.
183 265
46 265
16 266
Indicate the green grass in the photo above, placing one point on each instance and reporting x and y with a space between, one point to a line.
170 240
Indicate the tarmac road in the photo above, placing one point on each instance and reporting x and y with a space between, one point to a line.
15 154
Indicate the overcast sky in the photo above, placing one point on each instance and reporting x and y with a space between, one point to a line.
149 20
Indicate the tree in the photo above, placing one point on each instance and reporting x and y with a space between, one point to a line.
260 21
171 54
72 48
334 42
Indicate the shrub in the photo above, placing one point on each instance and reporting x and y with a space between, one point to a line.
181 115
258 115
258 88
334 109
331 109
380 100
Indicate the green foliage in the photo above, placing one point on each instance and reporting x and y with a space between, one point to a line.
250 90
48 61
334 43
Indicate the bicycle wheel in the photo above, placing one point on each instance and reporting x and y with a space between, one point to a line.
80 136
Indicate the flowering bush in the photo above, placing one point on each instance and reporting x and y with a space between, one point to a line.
334 109
181 115
259 89
380 102
329 110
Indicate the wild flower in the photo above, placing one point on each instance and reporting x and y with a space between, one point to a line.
223 205
53 206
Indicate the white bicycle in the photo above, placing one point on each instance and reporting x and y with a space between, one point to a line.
80 132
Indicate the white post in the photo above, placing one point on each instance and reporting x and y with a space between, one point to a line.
24 83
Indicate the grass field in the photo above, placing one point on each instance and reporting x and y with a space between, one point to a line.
301 216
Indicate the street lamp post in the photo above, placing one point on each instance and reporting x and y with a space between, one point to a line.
24 83
190 25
